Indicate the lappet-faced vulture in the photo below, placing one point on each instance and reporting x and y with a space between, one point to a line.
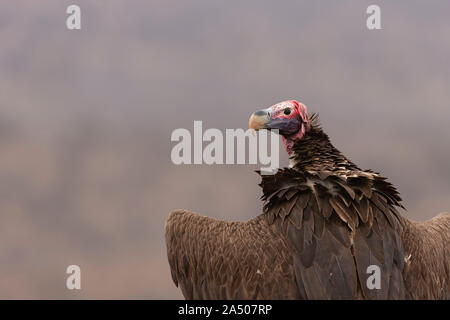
326 227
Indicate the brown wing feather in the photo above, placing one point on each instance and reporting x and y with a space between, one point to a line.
212 259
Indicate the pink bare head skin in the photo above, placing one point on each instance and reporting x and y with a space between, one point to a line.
298 117
289 117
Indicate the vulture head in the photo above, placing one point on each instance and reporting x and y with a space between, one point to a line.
290 118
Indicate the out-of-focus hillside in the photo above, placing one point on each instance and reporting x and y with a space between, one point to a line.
86 118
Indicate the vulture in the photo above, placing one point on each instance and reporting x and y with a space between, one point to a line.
325 226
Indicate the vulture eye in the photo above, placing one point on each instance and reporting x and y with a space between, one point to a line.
287 111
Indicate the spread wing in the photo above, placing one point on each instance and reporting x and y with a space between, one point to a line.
212 259
337 227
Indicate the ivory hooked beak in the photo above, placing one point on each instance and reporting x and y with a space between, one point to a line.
259 120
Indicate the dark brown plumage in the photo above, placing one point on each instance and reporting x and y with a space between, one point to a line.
324 222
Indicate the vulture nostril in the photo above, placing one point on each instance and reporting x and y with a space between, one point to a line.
261 113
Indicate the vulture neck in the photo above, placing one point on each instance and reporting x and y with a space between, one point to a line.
314 152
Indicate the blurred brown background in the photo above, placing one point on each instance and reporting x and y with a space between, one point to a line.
86 118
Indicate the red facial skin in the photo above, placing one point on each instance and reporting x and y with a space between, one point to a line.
298 117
